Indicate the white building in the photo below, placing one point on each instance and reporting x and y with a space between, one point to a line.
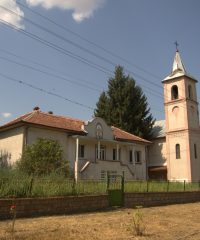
92 148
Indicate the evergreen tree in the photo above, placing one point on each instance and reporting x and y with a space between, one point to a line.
124 105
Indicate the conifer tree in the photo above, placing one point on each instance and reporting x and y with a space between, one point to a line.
124 105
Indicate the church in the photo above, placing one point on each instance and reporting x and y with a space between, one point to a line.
94 149
175 150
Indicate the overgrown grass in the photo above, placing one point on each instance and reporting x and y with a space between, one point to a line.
160 186
17 184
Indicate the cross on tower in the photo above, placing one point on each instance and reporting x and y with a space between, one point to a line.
176 43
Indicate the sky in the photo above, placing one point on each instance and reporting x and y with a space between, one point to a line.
60 54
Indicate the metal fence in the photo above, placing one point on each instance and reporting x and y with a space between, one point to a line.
46 187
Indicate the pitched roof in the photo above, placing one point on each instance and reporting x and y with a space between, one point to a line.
49 120
125 136
158 129
75 126
178 69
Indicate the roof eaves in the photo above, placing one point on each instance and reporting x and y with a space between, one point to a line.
61 129
133 141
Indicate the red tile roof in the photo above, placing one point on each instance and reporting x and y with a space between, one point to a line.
67 124
125 136
49 120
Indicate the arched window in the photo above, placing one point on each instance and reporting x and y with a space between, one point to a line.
174 92
99 131
189 92
178 154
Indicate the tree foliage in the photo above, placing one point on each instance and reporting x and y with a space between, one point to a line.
43 157
124 105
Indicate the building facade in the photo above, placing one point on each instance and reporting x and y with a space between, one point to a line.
175 154
92 148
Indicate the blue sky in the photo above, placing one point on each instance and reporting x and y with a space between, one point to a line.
140 32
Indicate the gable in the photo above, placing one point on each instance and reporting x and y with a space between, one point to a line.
97 127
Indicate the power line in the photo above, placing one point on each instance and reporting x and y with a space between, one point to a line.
66 40
45 91
87 40
49 74
52 45
80 47
60 77
35 69
58 48
46 67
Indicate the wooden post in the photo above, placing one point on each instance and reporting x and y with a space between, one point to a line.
184 185
76 161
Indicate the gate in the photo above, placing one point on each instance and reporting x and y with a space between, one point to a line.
115 189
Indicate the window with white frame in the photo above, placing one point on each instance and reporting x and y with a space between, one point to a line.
102 153
138 157
81 151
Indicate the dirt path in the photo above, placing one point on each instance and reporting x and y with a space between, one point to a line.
175 222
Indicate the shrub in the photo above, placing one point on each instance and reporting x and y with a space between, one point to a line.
42 158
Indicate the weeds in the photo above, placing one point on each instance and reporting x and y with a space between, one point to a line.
138 222
13 212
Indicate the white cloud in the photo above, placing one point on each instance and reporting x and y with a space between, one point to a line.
82 9
6 115
9 17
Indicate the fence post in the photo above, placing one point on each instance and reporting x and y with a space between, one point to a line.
31 186
122 187
167 185
147 186
184 185
108 181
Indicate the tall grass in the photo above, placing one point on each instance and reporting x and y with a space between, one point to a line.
17 184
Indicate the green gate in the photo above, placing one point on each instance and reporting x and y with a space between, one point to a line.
115 189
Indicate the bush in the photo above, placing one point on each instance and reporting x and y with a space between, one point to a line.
42 158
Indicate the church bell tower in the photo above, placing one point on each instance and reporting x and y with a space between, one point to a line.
182 123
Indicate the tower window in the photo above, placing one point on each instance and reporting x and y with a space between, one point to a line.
178 154
174 92
195 150
189 92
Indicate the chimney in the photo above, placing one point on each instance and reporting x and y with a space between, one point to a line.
36 108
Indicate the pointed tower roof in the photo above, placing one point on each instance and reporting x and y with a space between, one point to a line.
178 65
178 68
